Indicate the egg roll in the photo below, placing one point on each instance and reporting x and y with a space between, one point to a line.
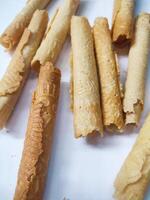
137 68
108 68
86 96
11 36
134 176
122 22
17 72
56 34
34 163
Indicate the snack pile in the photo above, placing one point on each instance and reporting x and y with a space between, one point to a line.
97 98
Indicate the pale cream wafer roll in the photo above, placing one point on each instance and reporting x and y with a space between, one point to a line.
109 76
122 22
56 34
134 176
37 146
86 97
137 67
13 32
14 78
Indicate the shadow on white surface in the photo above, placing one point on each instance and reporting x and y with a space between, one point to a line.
53 4
80 169
142 6
19 118
63 62
76 164
93 8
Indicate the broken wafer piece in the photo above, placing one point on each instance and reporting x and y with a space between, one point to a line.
122 22
134 176
12 83
137 68
13 32
86 96
37 146
56 34
109 76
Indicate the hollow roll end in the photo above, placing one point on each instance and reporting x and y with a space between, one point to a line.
133 117
6 42
35 64
49 67
121 41
89 133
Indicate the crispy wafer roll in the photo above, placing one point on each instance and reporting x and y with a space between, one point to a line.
109 76
56 34
122 23
86 97
35 157
14 78
13 32
134 176
137 67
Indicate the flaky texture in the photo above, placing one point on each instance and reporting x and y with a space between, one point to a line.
122 23
56 34
134 176
13 32
137 67
86 97
35 157
13 80
109 76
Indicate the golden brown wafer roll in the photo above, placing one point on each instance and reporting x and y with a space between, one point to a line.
137 67
86 97
56 34
35 157
14 78
122 23
13 32
109 76
134 176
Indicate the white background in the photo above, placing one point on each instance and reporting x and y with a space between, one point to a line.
80 169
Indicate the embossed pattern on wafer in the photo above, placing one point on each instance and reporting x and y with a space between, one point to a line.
35 157
137 68
14 79
109 76
56 34
85 92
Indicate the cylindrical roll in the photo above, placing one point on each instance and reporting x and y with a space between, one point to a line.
56 34
123 20
134 176
13 32
86 97
35 157
109 76
14 78
137 67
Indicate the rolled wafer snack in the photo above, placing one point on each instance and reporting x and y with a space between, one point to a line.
14 78
109 76
56 34
134 176
137 67
122 23
35 157
13 32
86 97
